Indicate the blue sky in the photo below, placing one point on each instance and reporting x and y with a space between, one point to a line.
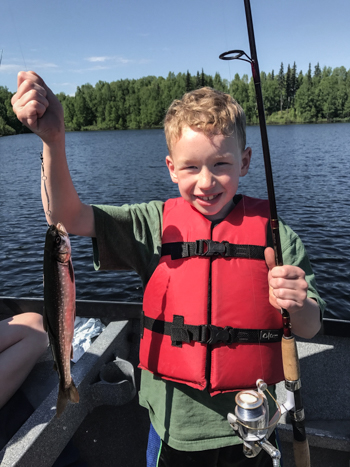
73 42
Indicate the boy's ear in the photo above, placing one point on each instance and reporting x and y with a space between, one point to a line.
245 161
170 164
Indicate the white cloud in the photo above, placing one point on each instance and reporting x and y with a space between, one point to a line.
64 84
10 68
29 64
93 68
97 59
40 64
70 88
113 58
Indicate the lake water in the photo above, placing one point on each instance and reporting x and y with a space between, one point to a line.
311 173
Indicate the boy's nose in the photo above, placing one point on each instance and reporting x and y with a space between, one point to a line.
205 179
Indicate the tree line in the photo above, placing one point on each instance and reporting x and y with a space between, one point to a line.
320 95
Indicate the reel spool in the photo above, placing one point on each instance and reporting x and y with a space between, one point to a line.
252 415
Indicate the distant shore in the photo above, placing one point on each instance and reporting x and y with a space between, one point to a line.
271 120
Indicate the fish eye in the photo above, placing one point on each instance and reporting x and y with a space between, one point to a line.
58 240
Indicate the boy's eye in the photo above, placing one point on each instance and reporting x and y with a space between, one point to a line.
221 163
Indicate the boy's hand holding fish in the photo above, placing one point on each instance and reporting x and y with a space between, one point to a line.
37 107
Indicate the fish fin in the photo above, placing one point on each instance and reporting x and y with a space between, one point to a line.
47 326
62 400
64 395
73 393
71 271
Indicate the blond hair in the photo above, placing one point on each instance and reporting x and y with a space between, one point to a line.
207 110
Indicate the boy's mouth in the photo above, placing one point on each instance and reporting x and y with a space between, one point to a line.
207 198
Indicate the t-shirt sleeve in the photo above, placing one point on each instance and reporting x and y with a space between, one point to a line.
295 254
128 237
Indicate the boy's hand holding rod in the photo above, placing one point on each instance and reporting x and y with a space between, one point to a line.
289 348
286 283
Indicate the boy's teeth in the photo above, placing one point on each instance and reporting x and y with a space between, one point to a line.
207 198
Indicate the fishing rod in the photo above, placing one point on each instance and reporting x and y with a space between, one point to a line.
290 357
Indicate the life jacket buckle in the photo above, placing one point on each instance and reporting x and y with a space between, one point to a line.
212 248
219 335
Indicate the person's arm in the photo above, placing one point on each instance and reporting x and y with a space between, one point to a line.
288 290
22 341
38 108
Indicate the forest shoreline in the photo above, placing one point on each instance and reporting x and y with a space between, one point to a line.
160 127
321 96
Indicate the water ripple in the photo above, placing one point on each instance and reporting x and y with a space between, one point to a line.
310 167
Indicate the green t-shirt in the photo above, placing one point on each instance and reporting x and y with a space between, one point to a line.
129 238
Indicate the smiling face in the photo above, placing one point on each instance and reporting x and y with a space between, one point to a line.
207 170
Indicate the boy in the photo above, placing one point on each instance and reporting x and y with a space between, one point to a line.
193 299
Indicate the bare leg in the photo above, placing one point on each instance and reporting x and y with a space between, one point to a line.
22 341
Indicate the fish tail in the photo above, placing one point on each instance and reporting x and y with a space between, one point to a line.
65 395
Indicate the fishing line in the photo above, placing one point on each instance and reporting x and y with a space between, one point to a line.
254 300
252 282
224 16
44 178
16 34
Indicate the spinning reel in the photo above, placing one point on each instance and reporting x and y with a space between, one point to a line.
252 424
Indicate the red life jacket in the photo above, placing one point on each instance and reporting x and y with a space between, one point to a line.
207 320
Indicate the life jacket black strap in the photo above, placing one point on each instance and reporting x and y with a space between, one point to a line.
208 334
179 250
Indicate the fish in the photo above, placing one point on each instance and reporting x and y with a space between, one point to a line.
59 309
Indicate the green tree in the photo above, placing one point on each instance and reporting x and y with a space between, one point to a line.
69 112
305 100
219 84
346 112
83 115
282 85
271 94
294 82
203 81
189 84
288 88
251 108
309 75
102 96
239 90
300 79
198 80
317 75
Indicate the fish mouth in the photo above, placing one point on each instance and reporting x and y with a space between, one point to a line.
61 229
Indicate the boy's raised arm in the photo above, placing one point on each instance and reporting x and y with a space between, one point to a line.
38 108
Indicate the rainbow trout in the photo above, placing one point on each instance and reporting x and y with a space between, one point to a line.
59 309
